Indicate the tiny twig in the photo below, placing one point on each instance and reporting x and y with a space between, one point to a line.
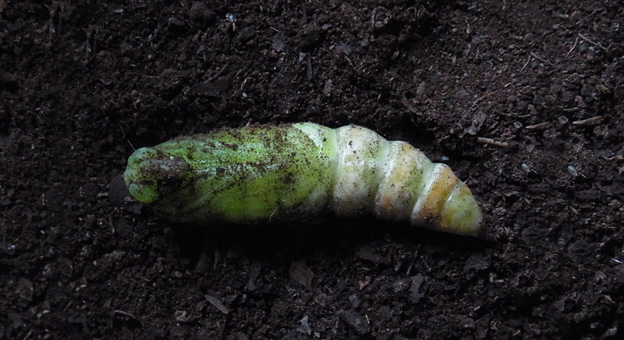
526 64
539 126
273 213
28 335
218 74
541 59
573 47
215 302
131 316
491 141
588 121
592 42
480 99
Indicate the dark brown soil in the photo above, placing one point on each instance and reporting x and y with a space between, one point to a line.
524 99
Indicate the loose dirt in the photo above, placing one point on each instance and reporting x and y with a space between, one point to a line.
523 99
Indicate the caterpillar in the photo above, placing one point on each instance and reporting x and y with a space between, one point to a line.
297 170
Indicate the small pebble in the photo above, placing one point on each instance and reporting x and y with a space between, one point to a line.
526 168
355 301
572 171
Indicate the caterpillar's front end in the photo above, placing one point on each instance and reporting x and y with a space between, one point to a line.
251 174
159 178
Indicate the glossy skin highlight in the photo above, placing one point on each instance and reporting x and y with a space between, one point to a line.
286 172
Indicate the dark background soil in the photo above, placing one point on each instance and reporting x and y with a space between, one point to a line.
82 82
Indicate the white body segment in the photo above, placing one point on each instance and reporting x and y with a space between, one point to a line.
394 181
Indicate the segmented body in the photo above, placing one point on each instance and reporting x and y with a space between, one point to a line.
256 173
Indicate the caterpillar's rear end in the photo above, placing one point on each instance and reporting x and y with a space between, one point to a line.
398 182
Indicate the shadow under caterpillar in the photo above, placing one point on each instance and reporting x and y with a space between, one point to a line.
266 172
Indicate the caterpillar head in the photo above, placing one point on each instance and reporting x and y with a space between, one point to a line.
158 177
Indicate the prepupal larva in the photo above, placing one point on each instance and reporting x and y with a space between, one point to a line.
289 171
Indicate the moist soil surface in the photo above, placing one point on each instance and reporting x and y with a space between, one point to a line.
523 99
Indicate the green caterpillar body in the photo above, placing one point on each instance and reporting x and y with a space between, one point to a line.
289 171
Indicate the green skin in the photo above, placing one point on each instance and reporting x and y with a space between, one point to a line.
292 171
236 175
